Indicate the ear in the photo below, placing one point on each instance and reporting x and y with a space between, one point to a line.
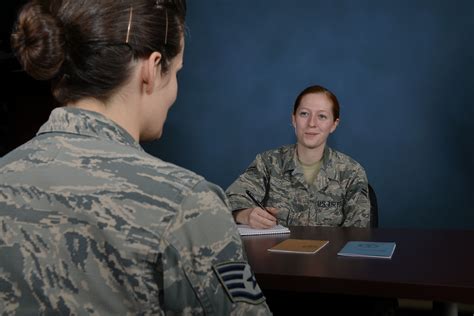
293 120
334 126
151 71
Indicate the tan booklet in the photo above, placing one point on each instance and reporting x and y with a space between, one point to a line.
299 246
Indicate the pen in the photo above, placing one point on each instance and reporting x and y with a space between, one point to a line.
256 201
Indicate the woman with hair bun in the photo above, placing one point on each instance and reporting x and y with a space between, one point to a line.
89 222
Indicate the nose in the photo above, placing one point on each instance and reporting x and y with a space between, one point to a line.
313 120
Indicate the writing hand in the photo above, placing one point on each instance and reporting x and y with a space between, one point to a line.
262 219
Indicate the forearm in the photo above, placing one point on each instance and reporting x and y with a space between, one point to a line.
357 217
253 180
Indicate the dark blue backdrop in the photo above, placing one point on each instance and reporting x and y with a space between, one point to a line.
402 71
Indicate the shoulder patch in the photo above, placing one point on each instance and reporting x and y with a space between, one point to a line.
239 282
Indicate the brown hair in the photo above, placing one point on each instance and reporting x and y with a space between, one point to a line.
81 44
318 89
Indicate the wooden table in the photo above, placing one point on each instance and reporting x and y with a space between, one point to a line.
435 265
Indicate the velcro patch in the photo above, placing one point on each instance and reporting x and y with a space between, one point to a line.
239 282
364 192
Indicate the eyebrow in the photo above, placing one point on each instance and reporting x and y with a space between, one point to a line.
302 107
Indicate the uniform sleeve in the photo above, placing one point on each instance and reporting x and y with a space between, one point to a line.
203 264
357 203
253 179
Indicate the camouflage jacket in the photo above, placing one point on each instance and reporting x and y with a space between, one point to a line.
90 224
338 196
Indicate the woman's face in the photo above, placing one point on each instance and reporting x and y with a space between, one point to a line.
314 120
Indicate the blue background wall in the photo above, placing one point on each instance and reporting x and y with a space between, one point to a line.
402 71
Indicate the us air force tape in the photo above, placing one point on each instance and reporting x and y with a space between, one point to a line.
239 282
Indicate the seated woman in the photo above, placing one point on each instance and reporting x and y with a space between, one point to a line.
307 183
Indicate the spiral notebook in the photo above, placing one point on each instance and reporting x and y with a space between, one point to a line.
246 230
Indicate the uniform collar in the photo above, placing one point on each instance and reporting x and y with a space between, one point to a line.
87 123
328 167
288 154
326 173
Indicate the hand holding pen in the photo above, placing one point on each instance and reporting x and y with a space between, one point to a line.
261 216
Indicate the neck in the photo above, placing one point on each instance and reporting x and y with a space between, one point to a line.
118 112
309 156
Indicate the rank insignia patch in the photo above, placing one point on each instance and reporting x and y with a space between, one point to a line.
239 282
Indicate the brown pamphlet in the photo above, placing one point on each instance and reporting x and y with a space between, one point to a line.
299 246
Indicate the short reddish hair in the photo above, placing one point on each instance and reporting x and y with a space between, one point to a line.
318 89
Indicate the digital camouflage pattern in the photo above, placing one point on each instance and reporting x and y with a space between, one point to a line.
90 224
338 196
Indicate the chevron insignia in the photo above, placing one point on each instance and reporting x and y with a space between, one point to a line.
239 282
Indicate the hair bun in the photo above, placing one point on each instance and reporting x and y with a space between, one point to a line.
38 42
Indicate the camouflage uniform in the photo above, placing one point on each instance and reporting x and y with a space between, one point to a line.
338 197
90 224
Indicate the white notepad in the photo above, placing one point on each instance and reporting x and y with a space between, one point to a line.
246 230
